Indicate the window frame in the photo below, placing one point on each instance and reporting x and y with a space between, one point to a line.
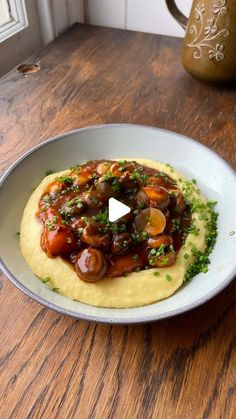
18 21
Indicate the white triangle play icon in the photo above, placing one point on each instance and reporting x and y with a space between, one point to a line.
116 209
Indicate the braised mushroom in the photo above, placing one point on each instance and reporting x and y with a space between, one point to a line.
90 265
150 220
106 190
162 239
121 243
178 201
167 259
122 264
142 199
93 200
157 195
75 206
103 168
84 175
154 181
117 170
93 237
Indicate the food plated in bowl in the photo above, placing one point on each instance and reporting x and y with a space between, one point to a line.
70 244
214 178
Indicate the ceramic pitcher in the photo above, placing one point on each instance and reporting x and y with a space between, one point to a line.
209 50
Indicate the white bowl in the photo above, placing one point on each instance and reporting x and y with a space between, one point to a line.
214 176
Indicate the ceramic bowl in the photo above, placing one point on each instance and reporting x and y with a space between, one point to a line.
214 176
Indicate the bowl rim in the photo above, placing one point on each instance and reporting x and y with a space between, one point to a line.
98 318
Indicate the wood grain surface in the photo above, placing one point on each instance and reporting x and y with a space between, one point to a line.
53 366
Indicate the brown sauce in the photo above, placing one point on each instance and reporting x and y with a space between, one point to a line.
74 214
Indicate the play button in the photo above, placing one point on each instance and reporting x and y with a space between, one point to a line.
117 209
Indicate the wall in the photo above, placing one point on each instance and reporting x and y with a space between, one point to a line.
15 49
141 15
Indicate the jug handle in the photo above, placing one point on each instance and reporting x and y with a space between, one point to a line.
176 13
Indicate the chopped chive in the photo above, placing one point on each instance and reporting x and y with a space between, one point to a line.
156 273
49 172
55 289
45 280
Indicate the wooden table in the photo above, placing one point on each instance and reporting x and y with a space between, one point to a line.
53 366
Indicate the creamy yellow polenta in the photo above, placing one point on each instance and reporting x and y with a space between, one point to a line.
137 289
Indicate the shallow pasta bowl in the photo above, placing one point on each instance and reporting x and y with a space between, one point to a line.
214 176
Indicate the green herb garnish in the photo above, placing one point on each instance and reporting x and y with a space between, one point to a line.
55 289
65 179
49 172
201 259
46 280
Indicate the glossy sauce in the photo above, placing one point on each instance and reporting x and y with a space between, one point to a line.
74 214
